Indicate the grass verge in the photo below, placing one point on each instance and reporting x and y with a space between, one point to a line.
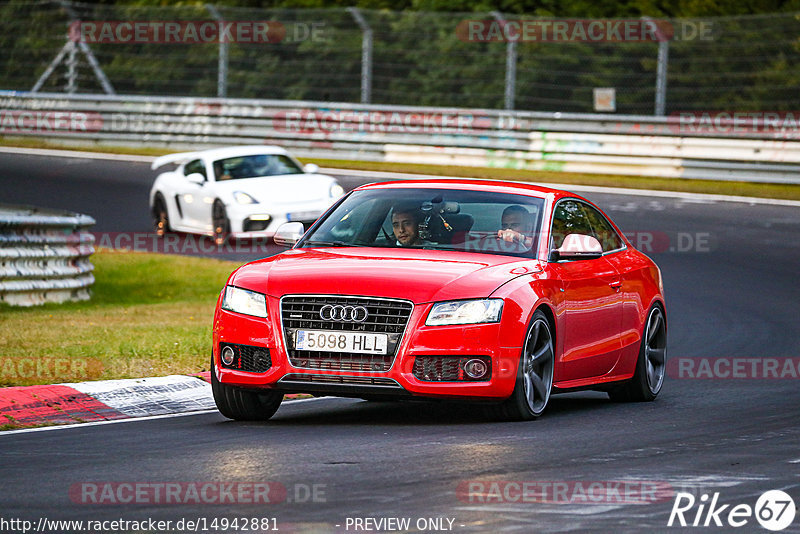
747 189
150 315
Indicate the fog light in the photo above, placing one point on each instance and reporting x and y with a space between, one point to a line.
227 355
476 368
261 359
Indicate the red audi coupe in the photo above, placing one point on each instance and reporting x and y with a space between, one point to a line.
476 290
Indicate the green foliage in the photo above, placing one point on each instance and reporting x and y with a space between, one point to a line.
420 58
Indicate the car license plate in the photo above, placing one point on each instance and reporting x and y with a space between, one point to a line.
355 342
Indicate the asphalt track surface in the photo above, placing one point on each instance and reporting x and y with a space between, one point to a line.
734 296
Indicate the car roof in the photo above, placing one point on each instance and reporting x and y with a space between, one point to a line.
233 151
215 154
497 186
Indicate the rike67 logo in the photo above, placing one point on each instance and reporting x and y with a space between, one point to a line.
774 510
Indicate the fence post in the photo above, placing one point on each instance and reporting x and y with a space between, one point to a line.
661 68
366 55
222 68
72 63
661 78
511 66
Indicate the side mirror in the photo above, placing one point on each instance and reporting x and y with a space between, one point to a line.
196 178
288 234
578 247
311 168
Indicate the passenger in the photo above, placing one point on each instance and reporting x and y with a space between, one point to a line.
516 226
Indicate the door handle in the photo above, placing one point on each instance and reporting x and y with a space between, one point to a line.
616 284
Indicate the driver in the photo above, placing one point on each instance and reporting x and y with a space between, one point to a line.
516 226
221 171
405 225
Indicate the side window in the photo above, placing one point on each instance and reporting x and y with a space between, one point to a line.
569 218
602 229
195 166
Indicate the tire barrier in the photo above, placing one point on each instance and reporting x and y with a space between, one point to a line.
44 256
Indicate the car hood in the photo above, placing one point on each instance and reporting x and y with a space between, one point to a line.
283 189
416 275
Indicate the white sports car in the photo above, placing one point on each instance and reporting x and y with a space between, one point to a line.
238 192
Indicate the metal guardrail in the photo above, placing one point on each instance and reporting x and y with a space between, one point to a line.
570 142
44 256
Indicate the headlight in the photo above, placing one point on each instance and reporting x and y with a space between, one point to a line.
465 312
243 301
336 190
243 198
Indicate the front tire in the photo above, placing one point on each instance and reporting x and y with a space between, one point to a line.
243 405
221 223
160 216
534 374
650 365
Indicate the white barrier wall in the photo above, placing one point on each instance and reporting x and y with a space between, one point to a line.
669 147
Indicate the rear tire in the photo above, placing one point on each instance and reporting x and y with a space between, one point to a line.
243 405
534 374
650 365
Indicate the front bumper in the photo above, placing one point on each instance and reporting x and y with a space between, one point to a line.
399 380
245 219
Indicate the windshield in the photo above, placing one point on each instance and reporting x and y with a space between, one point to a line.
434 219
255 166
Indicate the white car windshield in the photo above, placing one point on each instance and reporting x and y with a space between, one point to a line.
255 166
434 219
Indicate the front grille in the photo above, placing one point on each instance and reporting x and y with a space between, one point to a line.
248 358
448 368
338 379
386 316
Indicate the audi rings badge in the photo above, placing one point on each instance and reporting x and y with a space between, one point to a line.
344 314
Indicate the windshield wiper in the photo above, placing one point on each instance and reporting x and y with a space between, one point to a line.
330 243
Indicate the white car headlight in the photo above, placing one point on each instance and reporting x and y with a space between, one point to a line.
465 312
336 190
243 198
243 301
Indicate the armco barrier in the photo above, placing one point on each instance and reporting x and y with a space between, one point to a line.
570 142
44 256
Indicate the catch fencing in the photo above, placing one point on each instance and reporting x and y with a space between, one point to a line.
44 256
722 147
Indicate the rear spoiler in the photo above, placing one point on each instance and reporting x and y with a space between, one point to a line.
181 157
